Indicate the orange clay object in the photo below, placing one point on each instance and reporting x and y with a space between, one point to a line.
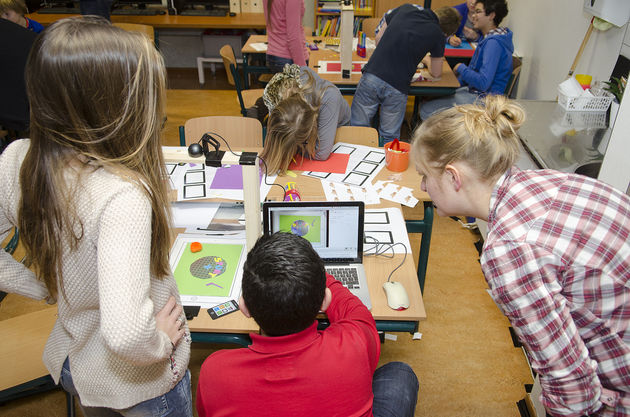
195 247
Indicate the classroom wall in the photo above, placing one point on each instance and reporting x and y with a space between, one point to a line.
548 34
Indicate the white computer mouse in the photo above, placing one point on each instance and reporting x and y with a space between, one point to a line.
396 295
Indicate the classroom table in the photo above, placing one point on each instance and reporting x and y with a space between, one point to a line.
459 54
235 327
445 85
166 21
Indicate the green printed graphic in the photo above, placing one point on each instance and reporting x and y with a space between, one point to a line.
308 227
209 272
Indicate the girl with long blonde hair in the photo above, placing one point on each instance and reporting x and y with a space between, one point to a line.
87 193
304 114
556 256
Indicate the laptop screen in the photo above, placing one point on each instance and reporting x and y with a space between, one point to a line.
334 228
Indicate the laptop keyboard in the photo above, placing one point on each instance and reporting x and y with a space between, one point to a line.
347 275
59 10
137 12
202 12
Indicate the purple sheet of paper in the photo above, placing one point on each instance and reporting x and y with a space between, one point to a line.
228 178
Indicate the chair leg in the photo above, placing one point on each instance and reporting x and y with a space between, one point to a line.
202 78
70 405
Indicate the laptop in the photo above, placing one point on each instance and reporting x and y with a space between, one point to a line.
335 230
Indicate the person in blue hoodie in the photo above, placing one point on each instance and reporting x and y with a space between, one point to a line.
466 30
491 65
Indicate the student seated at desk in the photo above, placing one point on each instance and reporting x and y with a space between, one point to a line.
293 369
304 114
491 64
404 37
556 257
87 193
466 30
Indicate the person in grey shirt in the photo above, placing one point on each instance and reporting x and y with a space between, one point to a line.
304 114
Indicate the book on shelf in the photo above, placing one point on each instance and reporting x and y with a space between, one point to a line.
331 25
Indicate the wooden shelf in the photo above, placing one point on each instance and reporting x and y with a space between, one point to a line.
321 17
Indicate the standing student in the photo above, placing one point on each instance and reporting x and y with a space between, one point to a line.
404 37
15 11
291 368
87 193
304 114
286 43
556 257
466 30
491 65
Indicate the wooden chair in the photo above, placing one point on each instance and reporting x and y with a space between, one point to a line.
26 374
368 26
246 98
516 71
134 27
358 135
237 131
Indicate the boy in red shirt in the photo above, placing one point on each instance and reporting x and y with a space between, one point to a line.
293 369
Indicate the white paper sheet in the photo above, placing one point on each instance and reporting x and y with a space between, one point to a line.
393 192
336 191
259 46
386 225
193 182
364 164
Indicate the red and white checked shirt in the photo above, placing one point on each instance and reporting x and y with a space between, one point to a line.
557 260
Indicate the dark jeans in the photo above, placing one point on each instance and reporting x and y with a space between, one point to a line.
96 7
175 403
276 63
395 387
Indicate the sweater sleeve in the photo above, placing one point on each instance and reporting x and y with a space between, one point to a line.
124 255
14 276
345 306
332 107
482 79
295 32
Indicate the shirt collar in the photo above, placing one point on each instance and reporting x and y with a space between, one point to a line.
497 31
497 192
279 344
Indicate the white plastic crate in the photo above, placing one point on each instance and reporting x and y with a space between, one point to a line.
600 102
585 119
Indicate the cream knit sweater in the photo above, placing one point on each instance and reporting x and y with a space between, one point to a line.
106 326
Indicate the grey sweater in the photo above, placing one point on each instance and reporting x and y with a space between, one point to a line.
333 113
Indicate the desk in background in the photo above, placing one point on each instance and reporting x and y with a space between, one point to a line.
234 327
460 54
240 21
446 85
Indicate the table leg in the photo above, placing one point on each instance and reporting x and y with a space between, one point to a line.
245 71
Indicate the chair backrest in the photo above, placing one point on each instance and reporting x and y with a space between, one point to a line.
237 131
368 26
227 53
134 27
516 71
358 135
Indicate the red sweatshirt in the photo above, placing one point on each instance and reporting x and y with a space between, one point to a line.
311 373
